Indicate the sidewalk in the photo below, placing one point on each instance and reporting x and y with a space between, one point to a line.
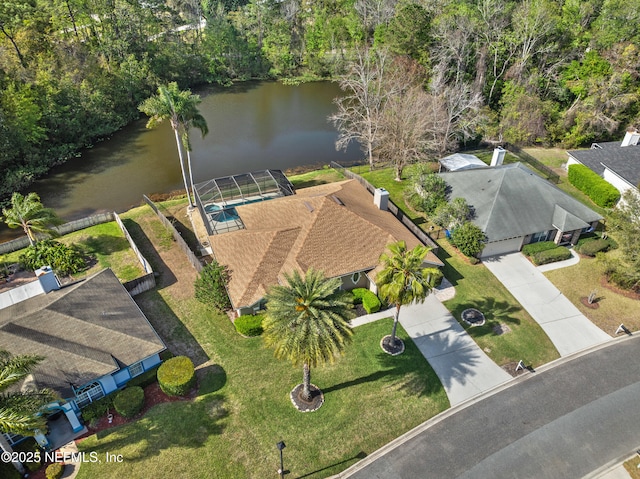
463 368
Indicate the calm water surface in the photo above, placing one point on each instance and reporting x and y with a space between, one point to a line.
252 126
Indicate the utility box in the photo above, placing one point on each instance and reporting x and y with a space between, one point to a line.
381 198
48 279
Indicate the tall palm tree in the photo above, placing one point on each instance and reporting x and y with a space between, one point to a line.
18 409
188 120
174 105
307 321
402 280
28 213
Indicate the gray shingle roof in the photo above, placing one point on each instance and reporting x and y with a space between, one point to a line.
84 331
512 201
624 161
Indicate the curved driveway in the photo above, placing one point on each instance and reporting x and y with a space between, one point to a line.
565 421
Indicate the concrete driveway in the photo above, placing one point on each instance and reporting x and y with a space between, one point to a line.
462 367
568 329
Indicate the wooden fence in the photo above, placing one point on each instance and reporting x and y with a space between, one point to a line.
193 259
393 208
551 175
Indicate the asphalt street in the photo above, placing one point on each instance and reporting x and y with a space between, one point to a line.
564 421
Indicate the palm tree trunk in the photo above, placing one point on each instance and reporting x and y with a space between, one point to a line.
5 447
184 176
193 188
306 382
396 317
29 234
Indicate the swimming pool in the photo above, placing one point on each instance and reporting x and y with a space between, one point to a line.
221 214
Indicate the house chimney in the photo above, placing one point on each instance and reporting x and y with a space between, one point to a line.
47 279
631 138
381 198
498 156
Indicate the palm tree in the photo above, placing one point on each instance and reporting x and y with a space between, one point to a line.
188 120
174 105
307 321
18 409
29 213
402 280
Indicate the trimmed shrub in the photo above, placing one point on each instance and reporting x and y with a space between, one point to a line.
601 192
249 325
129 401
177 376
590 248
54 471
370 302
533 248
469 239
97 408
559 253
145 379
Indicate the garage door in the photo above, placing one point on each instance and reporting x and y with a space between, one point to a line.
501 247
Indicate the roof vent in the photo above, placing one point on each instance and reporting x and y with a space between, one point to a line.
337 200
308 205
631 138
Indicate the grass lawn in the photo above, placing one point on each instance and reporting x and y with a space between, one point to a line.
580 280
477 288
243 407
106 244
315 178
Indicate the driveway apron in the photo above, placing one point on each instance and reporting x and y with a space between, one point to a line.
568 329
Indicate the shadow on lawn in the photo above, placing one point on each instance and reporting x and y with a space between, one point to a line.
448 270
182 424
361 455
494 312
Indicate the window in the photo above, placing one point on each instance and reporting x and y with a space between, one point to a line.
89 393
542 236
136 369
355 277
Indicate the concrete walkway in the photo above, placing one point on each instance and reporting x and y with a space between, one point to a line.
463 368
568 329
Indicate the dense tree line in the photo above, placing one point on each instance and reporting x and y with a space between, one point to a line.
533 71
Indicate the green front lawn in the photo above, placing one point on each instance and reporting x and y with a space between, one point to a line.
243 409
477 288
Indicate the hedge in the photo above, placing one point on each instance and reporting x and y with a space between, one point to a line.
54 471
97 408
129 401
177 376
590 248
601 192
249 325
533 248
369 300
559 253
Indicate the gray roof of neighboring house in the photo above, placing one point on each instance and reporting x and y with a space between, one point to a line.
624 161
84 331
512 201
462 161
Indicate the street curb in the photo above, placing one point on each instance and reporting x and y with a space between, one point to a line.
475 399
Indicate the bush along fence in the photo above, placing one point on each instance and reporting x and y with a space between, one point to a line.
143 283
193 259
601 192
393 208
76 225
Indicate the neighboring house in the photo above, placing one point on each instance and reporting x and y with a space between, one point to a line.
92 335
335 228
514 206
617 162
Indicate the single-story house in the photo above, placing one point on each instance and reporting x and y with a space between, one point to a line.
335 228
93 336
514 206
618 162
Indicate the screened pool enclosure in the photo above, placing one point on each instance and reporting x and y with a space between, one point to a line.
217 198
